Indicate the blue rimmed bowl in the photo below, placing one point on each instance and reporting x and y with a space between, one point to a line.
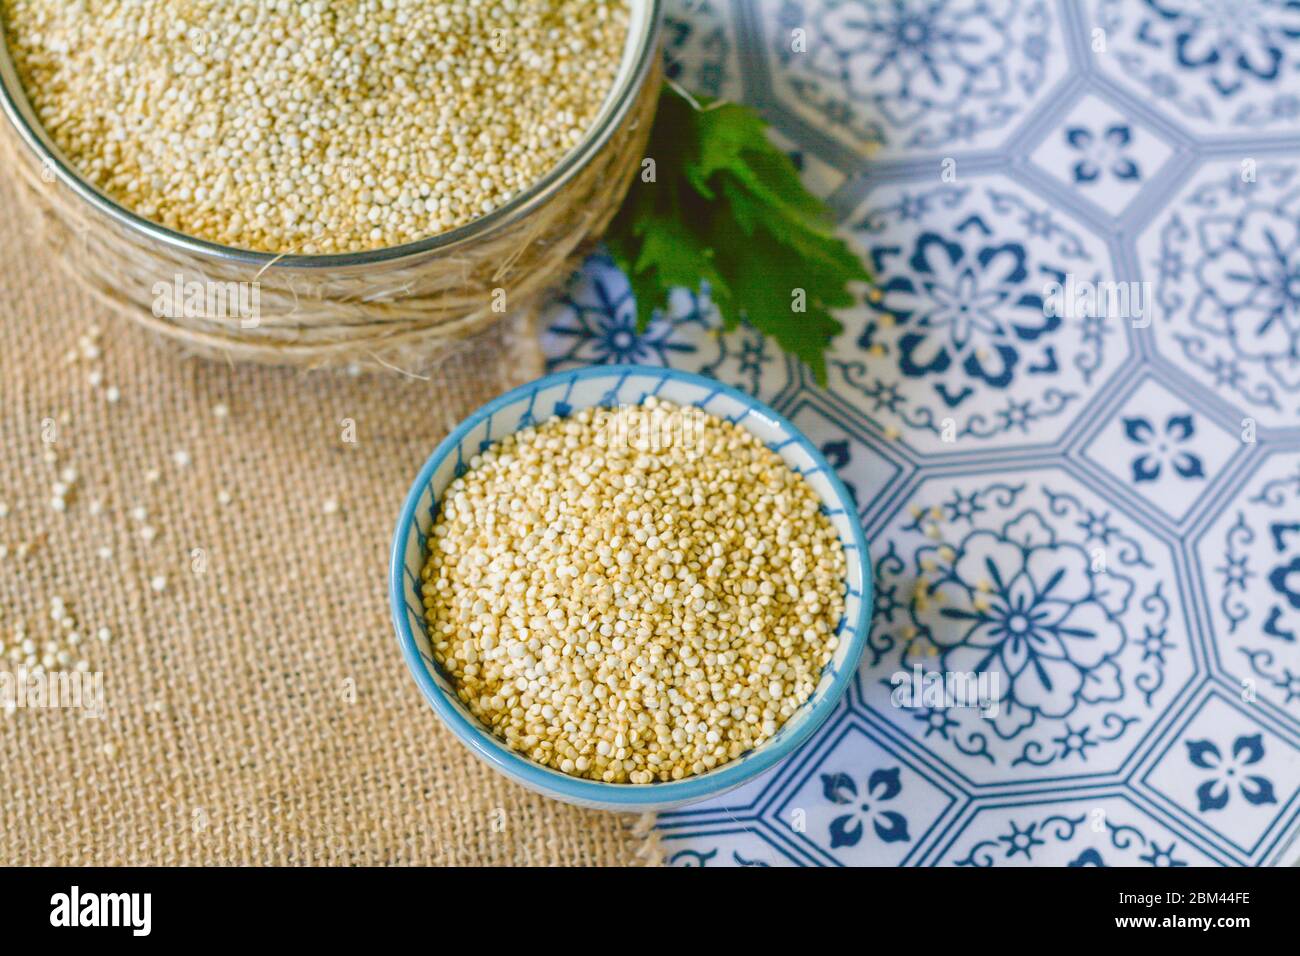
613 385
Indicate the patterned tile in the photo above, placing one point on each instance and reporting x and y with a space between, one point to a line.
1224 259
865 471
962 349
1102 155
1099 506
1250 563
1231 776
1213 68
594 323
700 50
1070 610
858 802
1098 831
1162 449
899 77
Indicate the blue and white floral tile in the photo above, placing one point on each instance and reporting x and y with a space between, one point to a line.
1136 488
1101 155
868 803
594 323
1216 69
700 49
1230 776
1250 568
960 351
867 467
1157 444
893 79
1103 830
1224 261
1070 608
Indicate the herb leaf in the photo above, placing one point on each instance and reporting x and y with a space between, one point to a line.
726 208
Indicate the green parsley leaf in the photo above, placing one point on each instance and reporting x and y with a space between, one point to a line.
726 208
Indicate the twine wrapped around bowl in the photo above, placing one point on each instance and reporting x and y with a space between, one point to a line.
402 307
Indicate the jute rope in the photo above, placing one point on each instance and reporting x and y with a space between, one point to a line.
399 314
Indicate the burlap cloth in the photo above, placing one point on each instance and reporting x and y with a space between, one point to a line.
258 710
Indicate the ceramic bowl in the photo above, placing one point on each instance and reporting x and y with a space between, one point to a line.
613 385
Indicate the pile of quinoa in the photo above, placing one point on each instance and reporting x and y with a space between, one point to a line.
633 595
315 126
